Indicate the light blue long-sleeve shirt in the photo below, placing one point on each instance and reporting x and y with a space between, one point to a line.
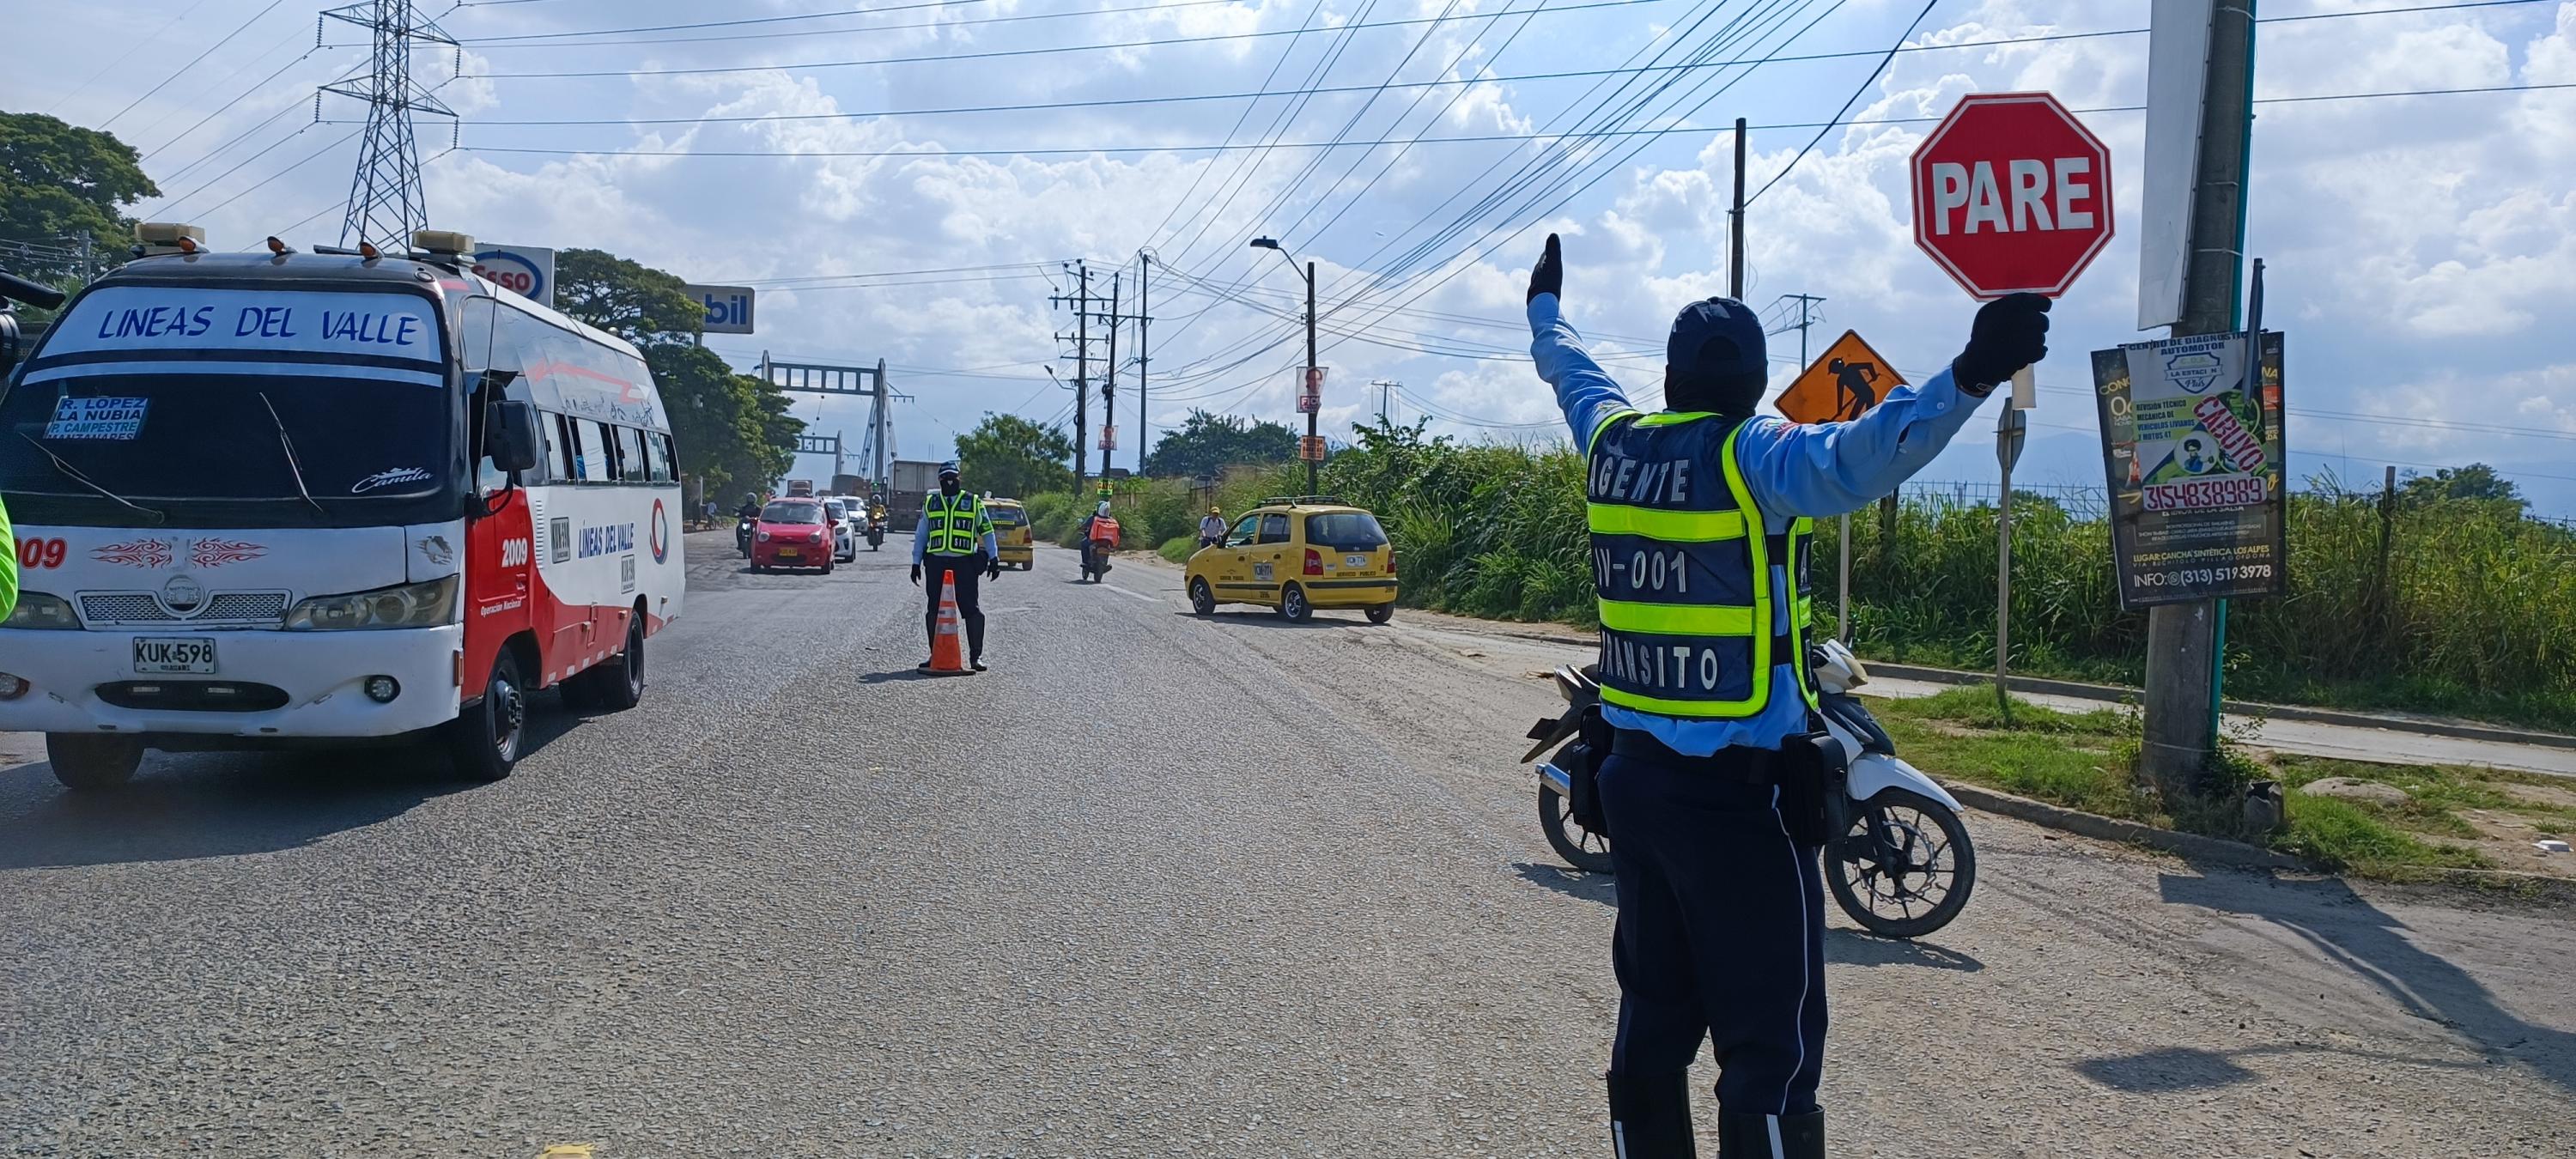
992 543
1792 469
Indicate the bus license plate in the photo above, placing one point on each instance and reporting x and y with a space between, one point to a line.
160 655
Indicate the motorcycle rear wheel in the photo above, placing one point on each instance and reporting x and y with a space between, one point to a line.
1934 865
1581 848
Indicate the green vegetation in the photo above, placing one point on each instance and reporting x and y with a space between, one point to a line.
61 184
1178 548
1011 456
2086 761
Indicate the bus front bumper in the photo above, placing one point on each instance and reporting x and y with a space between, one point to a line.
316 681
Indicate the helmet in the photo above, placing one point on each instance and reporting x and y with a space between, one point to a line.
948 470
1104 507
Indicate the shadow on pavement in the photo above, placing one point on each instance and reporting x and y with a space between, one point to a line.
1853 948
898 674
183 806
1570 882
2348 930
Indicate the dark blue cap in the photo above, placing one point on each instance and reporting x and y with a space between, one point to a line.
1715 358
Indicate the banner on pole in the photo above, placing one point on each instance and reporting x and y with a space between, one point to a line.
1310 448
2192 449
1310 391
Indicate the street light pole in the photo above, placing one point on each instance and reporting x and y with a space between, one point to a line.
1272 244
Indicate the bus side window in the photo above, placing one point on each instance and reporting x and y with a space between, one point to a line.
631 467
584 467
558 448
657 458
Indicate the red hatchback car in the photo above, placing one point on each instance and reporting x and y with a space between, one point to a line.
792 533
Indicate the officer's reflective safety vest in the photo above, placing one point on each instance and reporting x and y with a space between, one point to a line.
956 525
1691 625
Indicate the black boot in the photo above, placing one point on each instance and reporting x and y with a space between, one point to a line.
1650 1116
1771 1136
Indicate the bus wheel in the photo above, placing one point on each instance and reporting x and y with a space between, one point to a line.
484 739
618 684
89 764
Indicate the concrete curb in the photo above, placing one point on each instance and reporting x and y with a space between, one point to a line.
2094 825
2114 694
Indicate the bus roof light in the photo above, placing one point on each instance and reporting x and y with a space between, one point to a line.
153 238
279 248
444 242
367 250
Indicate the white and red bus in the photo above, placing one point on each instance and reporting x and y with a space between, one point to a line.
267 498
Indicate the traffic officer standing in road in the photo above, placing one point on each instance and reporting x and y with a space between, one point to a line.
1700 516
956 536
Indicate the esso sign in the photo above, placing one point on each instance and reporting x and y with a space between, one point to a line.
514 271
2012 194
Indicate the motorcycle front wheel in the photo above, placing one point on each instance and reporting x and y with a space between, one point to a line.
1581 848
1906 866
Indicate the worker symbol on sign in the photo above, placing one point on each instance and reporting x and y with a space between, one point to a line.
1858 382
1841 385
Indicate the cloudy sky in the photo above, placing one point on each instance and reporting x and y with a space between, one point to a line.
907 181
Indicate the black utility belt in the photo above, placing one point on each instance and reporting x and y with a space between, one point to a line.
1750 766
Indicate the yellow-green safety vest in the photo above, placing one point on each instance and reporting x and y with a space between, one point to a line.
956 526
1691 625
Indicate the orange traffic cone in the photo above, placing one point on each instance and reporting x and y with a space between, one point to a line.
947 655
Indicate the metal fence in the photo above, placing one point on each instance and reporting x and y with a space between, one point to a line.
2076 499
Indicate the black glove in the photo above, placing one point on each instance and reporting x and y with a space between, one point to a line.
2010 332
1548 276
916 575
993 569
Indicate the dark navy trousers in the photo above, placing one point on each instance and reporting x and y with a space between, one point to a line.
1721 929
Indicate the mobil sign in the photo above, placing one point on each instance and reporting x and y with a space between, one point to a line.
2012 194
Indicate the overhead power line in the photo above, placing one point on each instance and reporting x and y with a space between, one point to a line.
813 33
1050 50
182 70
1481 138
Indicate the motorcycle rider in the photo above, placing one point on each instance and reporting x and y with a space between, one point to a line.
956 535
1212 528
1703 679
1090 529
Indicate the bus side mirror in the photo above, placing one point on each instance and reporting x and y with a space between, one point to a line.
511 439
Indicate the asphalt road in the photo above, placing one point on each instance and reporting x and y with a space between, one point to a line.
1153 886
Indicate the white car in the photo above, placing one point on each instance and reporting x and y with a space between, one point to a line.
845 538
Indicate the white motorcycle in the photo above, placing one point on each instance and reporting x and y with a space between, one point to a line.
1901 865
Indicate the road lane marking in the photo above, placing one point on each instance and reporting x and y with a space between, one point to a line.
1133 595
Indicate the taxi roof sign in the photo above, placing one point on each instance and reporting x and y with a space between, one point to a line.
1840 385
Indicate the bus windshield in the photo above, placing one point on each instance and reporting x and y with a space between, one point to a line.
173 393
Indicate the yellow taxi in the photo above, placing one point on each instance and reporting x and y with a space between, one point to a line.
1011 528
1297 554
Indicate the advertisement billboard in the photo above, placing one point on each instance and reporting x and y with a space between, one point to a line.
526 270
2192 448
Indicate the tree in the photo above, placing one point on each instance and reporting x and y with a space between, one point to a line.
1009 455
1205 444
2477 481
633 301
731 429
61 184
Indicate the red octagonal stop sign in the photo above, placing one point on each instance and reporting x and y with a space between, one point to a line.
2012 193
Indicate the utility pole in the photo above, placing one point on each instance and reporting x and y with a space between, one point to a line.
1080 300
1109 384
1735 224
1385 397
2182 639
1312 487
385 199
1842 536
1144 319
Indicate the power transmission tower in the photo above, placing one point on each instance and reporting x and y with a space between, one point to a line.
385 200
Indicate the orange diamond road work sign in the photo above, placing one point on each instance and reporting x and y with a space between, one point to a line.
1311 447
1847 380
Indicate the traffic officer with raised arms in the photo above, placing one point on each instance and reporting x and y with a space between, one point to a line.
955 536
1700 517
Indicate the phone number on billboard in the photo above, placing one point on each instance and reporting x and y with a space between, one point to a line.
2202 575
2205 494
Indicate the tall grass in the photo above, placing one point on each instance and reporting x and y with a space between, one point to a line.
2473 613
